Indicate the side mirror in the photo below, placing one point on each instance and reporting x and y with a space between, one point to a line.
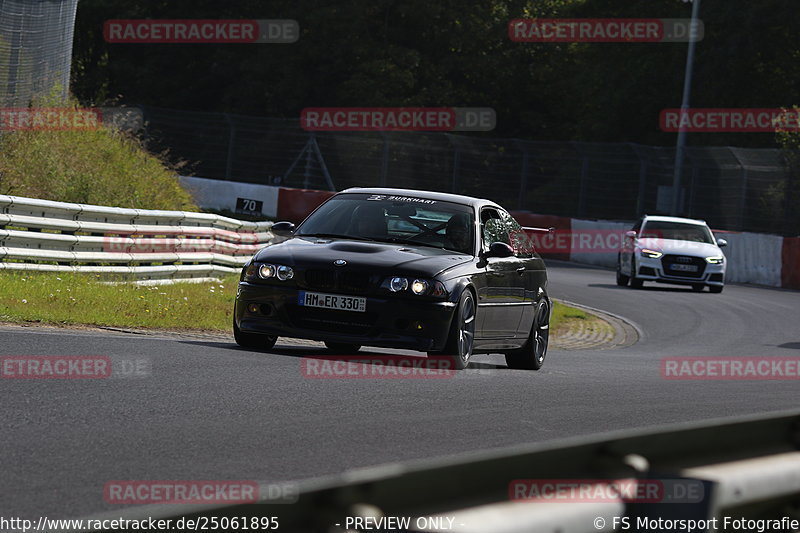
283 229
630 234
499 249
722 243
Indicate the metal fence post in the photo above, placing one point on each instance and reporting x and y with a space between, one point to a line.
743 188
456 163
231 144
385 161
641 197
583 179
523 178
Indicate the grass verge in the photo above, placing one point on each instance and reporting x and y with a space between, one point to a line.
77 299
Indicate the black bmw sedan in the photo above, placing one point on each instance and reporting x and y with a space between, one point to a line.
440 273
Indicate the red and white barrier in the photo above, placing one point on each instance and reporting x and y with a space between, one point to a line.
752 257
756 258
279 203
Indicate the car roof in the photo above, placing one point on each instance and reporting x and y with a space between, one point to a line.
425 195
658 218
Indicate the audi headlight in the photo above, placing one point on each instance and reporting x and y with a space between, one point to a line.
652 254
715 259
420 286
285 273
398 284
266 271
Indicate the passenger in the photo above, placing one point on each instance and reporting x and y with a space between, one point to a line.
458 232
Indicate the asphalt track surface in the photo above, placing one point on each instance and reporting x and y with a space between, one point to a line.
210 410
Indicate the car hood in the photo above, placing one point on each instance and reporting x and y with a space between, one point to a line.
315 252
671 246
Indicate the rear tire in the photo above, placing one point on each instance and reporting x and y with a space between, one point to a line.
531 355
716 288
259 341
342 347
461 338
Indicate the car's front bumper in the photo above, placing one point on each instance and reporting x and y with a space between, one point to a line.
651 269
387 322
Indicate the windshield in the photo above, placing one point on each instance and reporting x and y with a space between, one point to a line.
395 219
678 231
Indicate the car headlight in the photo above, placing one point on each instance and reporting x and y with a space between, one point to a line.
266 271
420 286
398 284
652 254
285 273
715 259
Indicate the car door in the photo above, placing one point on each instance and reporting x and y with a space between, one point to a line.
502 299
531 274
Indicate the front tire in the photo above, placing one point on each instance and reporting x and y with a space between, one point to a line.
258 341
622 279
531 355
636 283
461 339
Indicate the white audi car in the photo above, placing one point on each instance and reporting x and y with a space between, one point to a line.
675 250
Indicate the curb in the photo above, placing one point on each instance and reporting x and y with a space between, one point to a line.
626 332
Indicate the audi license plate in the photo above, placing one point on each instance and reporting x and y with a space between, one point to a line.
332 301
685 268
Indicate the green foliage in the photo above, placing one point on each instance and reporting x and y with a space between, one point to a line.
784 198
454 53
101 166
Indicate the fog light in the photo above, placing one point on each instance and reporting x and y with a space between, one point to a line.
266 271
398 284
285 273
420 286
253 308
417 325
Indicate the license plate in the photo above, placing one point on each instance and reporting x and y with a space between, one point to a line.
332 301
685 268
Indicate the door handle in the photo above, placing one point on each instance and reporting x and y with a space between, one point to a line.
521 270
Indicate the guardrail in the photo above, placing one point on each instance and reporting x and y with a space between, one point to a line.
746 468
140 244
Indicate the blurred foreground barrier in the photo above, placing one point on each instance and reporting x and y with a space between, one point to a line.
41 235
745 469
